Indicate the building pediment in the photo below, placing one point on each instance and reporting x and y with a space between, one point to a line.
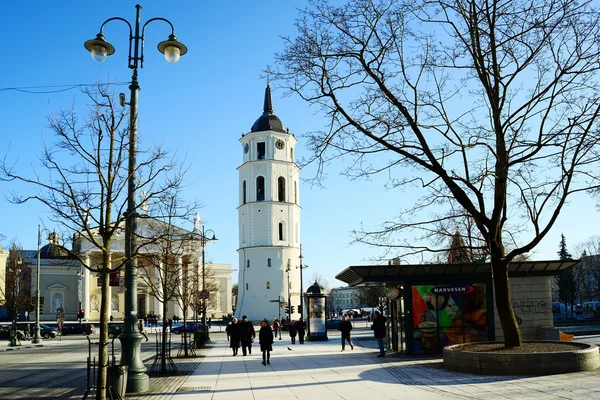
57 286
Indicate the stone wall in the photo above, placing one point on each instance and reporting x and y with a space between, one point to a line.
531 298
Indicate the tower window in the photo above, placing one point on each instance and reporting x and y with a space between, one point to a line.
281 231
268 285
244 192
269 262
260 150
246 286
292 154
281 188
295 192
247 263
260 188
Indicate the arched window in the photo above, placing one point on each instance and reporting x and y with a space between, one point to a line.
281 231
260 188
244 191
246 286
268 285
269 262
281 188
247 263
295 192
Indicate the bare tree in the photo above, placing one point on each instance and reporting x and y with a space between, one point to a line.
16 287
371 296
82 180
490 108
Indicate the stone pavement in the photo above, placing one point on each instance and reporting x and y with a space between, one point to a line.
319 370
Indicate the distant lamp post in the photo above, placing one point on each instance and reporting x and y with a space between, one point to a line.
37 338
16 295
289 296
100 49
301 257
203 241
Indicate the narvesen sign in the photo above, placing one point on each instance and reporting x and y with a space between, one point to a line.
450 290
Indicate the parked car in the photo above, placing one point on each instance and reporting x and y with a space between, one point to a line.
77 329
46 331
560 312
190 327
114 330
333 323
5 333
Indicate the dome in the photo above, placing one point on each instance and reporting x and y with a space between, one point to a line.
268 121
315 288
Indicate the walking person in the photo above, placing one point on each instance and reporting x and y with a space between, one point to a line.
293 332
247 335
142 329
378 328
233 335
301 327
265 337
27 332
345 328
276 327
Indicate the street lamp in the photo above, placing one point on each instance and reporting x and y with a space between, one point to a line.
203 241
137 380
288 269
37 338
301 257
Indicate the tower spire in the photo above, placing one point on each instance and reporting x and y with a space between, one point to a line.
268 108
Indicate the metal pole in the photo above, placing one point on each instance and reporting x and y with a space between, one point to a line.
37 338
203 280
131 338
301 311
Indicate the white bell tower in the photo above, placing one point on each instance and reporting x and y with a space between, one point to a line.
269 220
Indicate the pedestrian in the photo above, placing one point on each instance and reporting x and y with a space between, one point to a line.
265 337
293 332
145 320
301 327
209 322
276 327
27 332
142 329
378 328
247 335
111 318
345 328
233 335
170 323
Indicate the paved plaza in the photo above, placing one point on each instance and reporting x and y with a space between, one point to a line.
319 370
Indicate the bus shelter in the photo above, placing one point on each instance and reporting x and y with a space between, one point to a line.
431 306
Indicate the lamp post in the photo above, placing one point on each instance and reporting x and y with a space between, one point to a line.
203 241
137 380
288 269
301 257
37 338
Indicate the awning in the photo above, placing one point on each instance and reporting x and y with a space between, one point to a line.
356 275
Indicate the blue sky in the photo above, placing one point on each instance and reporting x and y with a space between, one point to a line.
198 107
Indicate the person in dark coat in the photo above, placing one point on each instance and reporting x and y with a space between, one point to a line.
301 327
345 328
293 332
265 336
247 334
233 335
378 328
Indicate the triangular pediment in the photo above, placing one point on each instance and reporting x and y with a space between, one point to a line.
57 286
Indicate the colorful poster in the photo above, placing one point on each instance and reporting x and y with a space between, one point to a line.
448 314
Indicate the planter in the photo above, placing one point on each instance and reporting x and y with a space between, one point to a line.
583 357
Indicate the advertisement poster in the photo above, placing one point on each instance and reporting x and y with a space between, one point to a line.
317 317
448 314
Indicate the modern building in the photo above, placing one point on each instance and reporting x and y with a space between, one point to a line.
344 298
269 220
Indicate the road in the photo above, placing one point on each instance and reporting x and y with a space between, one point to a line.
56 370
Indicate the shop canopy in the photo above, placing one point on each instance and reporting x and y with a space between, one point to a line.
356 275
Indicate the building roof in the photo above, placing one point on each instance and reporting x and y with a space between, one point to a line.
267 121
356 275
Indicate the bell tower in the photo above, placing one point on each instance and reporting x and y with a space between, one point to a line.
269 220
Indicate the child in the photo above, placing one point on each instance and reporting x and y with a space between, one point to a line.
265 336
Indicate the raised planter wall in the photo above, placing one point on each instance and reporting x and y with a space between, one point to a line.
586 358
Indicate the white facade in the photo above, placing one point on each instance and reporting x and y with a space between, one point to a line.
269 220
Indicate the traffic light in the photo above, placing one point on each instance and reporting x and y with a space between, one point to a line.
293 309
287 310
81 314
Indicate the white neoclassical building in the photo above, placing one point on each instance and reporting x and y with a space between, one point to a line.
269 220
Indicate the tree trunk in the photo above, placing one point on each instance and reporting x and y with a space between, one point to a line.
103 340
510 328
163 361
